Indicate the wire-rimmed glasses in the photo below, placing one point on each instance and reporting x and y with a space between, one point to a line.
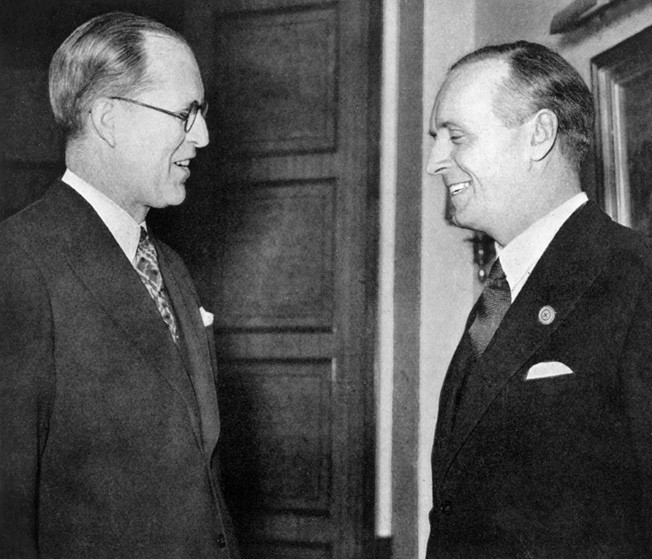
188 116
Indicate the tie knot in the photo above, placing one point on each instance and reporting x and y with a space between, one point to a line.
496 277
144 238
491 307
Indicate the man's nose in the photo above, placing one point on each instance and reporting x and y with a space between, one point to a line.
198 134
439 157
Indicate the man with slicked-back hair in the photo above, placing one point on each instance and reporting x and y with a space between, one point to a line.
543 444
108 401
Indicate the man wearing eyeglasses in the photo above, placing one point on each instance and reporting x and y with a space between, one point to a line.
108 405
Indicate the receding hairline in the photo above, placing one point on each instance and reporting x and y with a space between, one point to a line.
154 35
462 73
500 85
157 58
484 64
153 40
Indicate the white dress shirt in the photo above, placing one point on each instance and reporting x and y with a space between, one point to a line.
519 257
123 227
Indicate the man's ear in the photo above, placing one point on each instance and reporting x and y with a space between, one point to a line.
543 135
102 116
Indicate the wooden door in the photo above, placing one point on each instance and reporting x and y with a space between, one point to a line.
279 230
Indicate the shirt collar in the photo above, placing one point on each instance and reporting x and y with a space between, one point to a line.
519 257
122 226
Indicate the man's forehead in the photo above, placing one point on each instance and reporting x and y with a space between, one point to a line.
470 86
478 75
171 64
160 48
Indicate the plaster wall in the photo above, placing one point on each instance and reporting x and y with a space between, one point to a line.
448 285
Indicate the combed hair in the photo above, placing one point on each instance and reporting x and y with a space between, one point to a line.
103 57
539 78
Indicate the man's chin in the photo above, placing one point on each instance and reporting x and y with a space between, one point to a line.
462 216
178 195
172 199
455 218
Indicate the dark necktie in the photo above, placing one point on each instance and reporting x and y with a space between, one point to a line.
491 309
150 274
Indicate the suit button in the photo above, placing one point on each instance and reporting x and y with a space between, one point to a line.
221 541
445 507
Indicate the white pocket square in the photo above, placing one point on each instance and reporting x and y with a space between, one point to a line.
548 369
207 317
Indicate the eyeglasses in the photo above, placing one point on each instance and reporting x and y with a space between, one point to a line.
188 116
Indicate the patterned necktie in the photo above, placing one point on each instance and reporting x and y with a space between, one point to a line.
150 274
491 309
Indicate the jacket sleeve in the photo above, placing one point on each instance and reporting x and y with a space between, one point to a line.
26 394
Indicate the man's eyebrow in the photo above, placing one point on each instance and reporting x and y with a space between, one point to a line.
433 130
446 124
189 104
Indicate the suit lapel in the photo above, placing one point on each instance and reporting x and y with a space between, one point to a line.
100 264
449 400
450 391
563 274
196 349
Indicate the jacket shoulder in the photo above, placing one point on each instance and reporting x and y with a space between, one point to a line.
629 248
39 224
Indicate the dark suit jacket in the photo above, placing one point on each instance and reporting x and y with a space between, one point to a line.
562 466
107 429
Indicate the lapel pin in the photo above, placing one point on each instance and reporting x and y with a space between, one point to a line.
547 315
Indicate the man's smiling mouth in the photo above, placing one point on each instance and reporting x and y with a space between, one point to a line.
459 187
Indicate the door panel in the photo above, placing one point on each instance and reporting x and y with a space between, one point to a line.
283 449
276 258
277 79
